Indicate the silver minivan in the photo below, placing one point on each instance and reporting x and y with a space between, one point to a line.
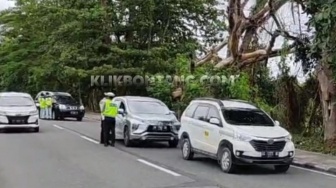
145 119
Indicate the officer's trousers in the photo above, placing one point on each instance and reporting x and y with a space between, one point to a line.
102 131
109 131
48 112
42 113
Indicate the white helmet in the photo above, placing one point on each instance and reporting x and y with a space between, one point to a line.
109 94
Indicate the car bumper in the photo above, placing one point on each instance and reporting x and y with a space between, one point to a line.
245 153
31 122
18 126
154 136
72 113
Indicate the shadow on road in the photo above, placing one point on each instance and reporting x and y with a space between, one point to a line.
153 145
243 170
17 131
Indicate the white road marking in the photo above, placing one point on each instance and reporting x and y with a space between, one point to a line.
159 168
310 170
58 127
89 139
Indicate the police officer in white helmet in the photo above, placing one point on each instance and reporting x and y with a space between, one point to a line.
110 112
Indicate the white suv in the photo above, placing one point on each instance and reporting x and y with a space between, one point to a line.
234 132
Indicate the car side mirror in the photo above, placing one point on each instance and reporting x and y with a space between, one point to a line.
121 111
277 123
214 121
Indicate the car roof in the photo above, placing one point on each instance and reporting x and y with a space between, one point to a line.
139 98
12 94
56 93
229 103
238 104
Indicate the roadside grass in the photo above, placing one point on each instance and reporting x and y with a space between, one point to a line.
314 143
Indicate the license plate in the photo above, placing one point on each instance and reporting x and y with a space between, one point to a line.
18 121
74 113
270 154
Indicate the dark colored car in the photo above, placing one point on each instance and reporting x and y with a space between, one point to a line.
64 106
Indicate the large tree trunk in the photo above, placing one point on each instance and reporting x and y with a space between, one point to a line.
328 101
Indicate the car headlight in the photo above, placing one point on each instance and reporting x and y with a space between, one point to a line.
81 107
32 113
288 138
136 124
176 126
62 107
242 137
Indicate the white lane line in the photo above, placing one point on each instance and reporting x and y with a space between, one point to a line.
58 127
318 172
159 168
89 139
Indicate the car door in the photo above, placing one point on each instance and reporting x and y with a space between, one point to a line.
122 119
118 120
199 123
212 131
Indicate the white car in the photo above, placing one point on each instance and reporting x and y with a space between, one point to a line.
18 110
235 133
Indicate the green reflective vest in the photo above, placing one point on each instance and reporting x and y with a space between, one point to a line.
42 102
48 102
111 109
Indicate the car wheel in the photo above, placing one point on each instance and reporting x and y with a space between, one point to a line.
79 118
226 161
36 130
281 168
127 141
173 143
187 152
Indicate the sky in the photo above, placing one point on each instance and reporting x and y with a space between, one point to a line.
284 15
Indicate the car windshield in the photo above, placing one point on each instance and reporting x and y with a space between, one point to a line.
16 101
64 98
148 107
247 117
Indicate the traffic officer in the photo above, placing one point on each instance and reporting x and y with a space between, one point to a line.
110 111
101 106
48 106
42 106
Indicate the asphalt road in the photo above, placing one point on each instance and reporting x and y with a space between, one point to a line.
67 154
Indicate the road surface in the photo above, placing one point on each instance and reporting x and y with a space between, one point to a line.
67 154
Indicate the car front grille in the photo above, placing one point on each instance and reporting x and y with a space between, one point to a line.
159 128
18 120
261 146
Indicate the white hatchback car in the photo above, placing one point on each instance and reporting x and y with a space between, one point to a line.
235 133
18 110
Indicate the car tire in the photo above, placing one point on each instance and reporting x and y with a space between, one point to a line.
226 161
173 143
186 149
281 168
37 129
127 141
79 118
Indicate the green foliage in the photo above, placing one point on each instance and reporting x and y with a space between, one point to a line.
314 143
58 45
